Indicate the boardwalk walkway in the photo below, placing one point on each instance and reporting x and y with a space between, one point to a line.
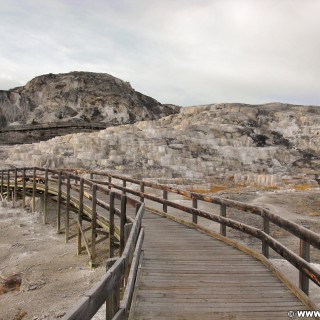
186 274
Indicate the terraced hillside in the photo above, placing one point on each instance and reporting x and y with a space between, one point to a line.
265 144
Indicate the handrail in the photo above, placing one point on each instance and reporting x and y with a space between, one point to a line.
124 270
55 125
297 230
108 288
307 237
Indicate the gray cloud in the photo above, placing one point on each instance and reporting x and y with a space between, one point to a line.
184 52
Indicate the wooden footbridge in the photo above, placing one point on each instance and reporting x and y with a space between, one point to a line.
160 266
16 134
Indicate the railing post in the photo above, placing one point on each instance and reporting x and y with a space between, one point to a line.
34 175
2 173
45 197
67 208
93 226
142 191
59 203
80 216
223 213
138 205
266 229
8 185
24 188
113 302
76 180
15 195
165 197
123 219
111 225
305 254
195 206
124 184
109 182
91 177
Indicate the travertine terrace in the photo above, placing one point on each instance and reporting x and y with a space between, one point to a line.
263 144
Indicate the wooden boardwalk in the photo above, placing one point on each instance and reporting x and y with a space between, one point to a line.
186 274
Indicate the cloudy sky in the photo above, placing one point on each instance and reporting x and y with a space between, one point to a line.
185 52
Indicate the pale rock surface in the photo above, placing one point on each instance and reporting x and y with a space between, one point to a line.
78 96
251 144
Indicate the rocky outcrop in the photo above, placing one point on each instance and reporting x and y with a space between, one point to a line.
14 107
80 96
261 144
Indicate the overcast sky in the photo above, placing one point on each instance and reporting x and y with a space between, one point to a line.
184 52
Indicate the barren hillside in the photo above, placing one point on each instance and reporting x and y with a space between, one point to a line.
263 144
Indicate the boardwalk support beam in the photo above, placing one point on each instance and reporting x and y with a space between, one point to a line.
111 225
45 197
123 218
34 190
67 222
8 185
1 190
79 227
15 195
93 226
24 188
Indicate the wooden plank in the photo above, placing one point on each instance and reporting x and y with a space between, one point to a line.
2 184
199 308
94 299
174 282
184 243
67 222
34 190
133 272
111 225
93 225
59 202
123 219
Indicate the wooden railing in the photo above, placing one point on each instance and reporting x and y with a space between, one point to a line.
45 131
83 197
108 288
55 125
307 237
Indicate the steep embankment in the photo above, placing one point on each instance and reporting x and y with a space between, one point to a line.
260 144
80 96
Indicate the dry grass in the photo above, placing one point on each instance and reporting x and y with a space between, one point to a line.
314 214
212 189
230 188
302 187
